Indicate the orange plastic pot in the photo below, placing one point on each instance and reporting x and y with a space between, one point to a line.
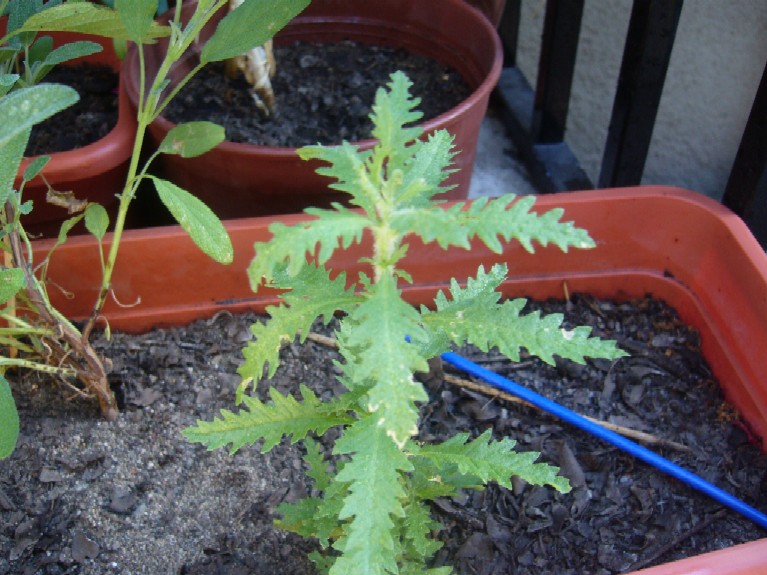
704 262
95 172
238 180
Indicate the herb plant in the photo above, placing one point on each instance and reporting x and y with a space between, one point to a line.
369 507
34 334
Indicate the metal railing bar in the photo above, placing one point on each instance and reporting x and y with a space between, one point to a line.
650 39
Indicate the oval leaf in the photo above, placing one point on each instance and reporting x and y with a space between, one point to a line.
35 167
9 420
21 109
96 220
71 51
11 282
87 18
192 139
250 25
197 219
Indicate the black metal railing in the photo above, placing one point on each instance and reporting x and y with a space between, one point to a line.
536 119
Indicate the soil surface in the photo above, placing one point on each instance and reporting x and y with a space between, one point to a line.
324 94
84 496
86 121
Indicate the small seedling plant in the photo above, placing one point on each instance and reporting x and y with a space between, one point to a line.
33 333
369 506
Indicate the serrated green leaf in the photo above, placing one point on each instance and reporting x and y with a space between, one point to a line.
22 109
137 16
427 170
192 139
392 111
197 219
368 546
96 220
12 281
492 461
249 25
377 353
418 525
9 420
348 166
502 325
292 244
312 295
87 18
284 416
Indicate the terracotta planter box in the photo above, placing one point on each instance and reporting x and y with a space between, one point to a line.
704 262
238 180
95 172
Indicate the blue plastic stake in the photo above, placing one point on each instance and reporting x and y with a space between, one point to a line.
609 436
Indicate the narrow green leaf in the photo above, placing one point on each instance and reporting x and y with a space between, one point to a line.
192 139
35 167
11 282
137 16
22 109
250 25
9 420
96 220
197 219
72 51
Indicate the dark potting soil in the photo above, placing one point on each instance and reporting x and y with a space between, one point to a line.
323 94
85 122
84 496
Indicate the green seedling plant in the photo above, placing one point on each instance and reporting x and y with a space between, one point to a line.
369 505
33 334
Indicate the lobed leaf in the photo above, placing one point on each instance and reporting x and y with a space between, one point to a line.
375 493
284 416
291 244
502 325
492 461
393 109
312 294
378 353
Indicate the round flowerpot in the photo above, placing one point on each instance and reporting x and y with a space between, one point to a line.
238 180
95 172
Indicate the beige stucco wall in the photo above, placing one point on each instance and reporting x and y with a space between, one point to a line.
717 62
